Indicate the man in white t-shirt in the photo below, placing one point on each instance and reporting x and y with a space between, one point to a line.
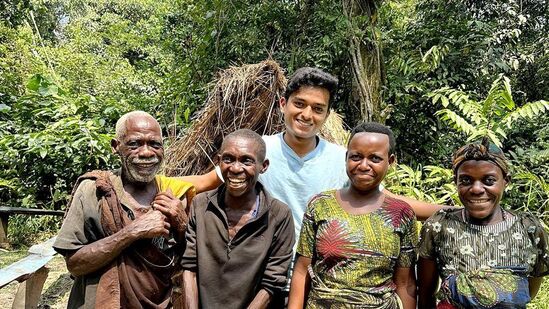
303 163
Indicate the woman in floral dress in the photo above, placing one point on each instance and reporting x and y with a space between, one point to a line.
357 245
486 256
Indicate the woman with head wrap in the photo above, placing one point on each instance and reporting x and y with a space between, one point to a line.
486 256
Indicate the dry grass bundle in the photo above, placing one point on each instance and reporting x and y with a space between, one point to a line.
334 129
241 97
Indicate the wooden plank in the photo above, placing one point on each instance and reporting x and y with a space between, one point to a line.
29 291
5 213
44 248
39 255
30 211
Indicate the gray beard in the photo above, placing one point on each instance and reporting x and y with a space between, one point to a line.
133 176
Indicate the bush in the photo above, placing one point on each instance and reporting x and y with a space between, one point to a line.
48 139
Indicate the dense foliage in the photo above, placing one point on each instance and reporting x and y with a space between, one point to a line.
69 69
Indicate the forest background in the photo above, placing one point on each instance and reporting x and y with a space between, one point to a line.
438 72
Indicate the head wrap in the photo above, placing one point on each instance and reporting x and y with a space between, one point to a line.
480 152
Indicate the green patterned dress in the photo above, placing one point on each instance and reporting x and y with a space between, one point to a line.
485 266
354 256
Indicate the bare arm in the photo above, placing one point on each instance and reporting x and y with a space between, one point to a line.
204 182
94 256
191 289
405 281
261 300
301 282
422 209
427 283
534 284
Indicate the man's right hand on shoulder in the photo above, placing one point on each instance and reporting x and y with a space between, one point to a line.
149 225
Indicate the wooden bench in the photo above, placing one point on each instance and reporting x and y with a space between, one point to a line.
31 272
6 212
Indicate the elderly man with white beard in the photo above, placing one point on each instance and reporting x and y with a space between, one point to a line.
124 230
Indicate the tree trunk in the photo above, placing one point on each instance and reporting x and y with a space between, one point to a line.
365 58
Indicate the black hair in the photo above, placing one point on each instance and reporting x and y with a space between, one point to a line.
250 135
314 77
374 127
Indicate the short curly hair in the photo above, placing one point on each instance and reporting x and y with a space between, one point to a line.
374 127
314 77
249 135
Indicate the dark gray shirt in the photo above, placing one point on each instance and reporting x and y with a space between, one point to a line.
230 272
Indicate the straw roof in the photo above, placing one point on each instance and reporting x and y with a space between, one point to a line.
240 97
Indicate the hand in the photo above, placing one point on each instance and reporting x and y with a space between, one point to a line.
172 208
150 225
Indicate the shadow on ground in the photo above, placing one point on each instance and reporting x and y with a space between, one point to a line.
59 288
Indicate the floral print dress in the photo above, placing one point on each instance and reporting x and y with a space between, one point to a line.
485 266
354 256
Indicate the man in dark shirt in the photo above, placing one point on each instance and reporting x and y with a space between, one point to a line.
239 238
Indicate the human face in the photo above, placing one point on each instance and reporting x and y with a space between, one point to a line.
240 166
480 187
140 149
368 160
305 111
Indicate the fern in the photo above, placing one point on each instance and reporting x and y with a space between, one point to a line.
528 111
429 183
491 117
539 155
456 121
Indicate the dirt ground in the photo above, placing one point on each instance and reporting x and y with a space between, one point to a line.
55 293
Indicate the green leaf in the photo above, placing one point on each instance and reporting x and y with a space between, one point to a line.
456 121
436 98
508 101
187 114
4 108
43 152
34 82
444 101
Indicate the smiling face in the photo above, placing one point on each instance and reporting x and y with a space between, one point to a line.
305 111
140 149
241 165
368 160
480 187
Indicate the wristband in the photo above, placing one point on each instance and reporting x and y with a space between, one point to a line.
218 172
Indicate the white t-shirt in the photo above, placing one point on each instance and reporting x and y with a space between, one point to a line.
294 180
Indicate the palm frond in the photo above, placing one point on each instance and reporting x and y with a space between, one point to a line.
456 121
499 96
527 111
485 133
539 155
526 177
469 108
